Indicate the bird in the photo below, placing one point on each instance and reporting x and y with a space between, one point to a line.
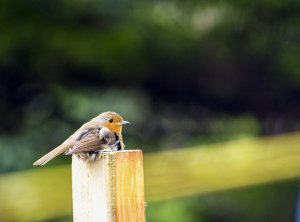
102 133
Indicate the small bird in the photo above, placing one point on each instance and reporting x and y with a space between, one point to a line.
102 133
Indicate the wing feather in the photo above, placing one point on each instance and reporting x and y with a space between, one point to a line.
89 142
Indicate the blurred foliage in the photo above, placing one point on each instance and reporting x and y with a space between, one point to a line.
169 174
183 72
202 58
248 204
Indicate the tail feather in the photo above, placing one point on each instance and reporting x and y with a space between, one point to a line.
52 154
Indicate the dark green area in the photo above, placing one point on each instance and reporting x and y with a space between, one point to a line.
247 204
183 72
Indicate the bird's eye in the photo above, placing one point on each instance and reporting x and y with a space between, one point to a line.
110 120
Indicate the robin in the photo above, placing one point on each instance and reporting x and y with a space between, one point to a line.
102 133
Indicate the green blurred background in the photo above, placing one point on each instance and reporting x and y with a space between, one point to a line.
184 73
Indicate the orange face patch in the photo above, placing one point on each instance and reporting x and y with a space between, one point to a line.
112 123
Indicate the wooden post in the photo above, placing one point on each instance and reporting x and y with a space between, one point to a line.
109 188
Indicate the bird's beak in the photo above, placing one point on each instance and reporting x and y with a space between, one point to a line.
123 123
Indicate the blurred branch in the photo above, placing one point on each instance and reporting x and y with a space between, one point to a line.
221 166
46 193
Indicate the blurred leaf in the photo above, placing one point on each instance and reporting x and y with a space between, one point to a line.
168 175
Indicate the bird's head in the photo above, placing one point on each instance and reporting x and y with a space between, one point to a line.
113 121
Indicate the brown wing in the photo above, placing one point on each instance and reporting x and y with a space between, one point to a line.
86 143
94 140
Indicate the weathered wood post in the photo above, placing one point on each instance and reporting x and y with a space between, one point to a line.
109 188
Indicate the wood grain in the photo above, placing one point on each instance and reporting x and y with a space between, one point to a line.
109 188
91 189
129 193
